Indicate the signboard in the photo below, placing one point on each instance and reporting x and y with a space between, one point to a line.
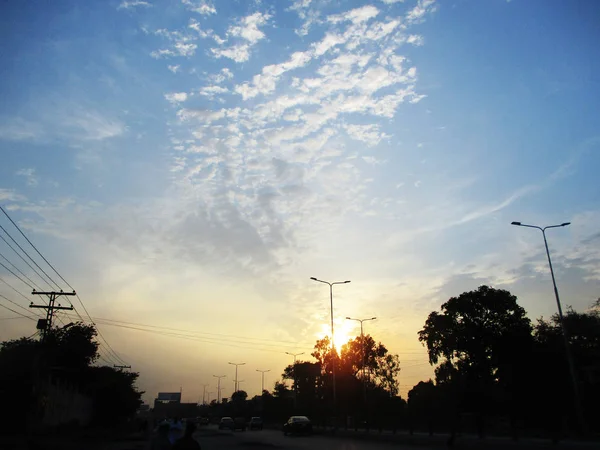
174 397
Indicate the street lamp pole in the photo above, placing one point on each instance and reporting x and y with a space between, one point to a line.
262 372
204 393
362 339
236 374
219 386
295 379
561 320
333 351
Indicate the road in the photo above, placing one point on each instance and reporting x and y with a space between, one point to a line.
210 438
213 439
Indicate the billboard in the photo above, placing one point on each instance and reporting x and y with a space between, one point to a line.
173 397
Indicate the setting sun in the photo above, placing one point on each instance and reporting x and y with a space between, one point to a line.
343 331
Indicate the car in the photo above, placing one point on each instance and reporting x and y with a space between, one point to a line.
297 425
239 423
226 423
256 423
204 421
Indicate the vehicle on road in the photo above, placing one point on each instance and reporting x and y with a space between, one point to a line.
239 424
204 421
256 423
226 423
297 425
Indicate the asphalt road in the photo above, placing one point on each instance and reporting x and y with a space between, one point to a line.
213 439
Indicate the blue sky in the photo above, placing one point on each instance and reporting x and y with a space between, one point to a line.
191 164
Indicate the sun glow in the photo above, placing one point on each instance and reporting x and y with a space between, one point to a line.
343 332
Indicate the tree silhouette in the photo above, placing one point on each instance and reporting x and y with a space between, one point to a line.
67 355
482 339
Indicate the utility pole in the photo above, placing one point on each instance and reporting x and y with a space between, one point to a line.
45 325
236 373
219 386
263 379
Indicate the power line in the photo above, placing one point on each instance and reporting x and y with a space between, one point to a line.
16 290
14 303
203 333
196 338
187 333
27 254
16 312
18 317
21 272
17 276
25 261
60 276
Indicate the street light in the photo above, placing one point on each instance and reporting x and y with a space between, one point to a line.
236 373
219 386
295 380
560 318
332 341
362 339
204 386
294 355
263 379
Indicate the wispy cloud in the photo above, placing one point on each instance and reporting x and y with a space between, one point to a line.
67 122
202 7
248 31
29 175
19 129
134 4
176 97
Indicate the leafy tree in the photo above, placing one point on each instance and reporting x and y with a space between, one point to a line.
113 394
551 369
68 354
379 364
73 346
239 396
280 390
483 340
477 332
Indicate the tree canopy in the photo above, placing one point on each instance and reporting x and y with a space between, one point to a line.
67 354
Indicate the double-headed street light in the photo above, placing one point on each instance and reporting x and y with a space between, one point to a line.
219 386
262 372
560 318
294 355
332 340
362 339
237 384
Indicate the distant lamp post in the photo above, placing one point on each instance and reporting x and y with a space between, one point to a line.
333 352
262 373
561 319
294 355
219 386
237 384
362 339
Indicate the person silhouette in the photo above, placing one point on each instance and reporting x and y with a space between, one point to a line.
187 442
161 440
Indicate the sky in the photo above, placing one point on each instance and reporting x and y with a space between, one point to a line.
190 164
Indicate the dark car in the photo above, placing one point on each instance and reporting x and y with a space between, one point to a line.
297 425
239 424
256 423
226 423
